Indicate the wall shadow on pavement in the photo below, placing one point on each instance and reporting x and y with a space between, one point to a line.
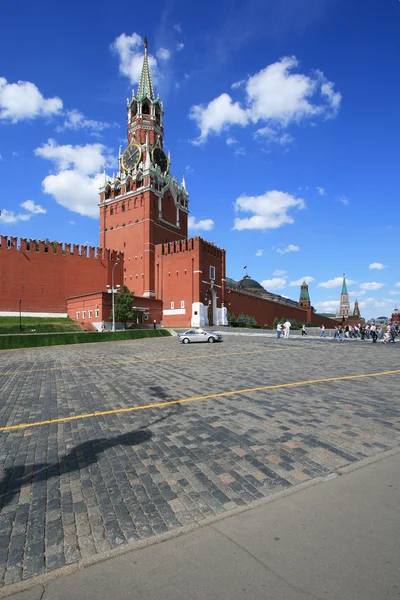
81 456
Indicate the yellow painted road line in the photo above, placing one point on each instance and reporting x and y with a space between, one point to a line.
197 398
150 360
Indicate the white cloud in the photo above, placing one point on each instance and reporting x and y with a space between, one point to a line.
129 49
298 282
289 248
344 200
397 284
163 54
275 96
231 140
75 120
336 282
372 285
321 191
357 294
238 84
75 191
202 225
277 283
274 136
85 159
333 98
15 153
178 27
376 265
279 272
270 210
394 293
33 208
76 183
259 252
179 46
9 216
72 223
374 303
23 101
218 115
327 306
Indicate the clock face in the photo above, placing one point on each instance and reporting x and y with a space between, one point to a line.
131 157
160 159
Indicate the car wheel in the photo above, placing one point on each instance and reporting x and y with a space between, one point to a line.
186 340
211 340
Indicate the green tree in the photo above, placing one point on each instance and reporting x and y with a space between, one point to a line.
231 318
123 303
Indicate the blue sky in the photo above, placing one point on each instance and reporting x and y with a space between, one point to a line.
283 115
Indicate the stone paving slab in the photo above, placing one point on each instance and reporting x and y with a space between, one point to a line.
73 489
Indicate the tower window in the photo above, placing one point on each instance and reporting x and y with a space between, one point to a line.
111 211
212 273
123 207
145 108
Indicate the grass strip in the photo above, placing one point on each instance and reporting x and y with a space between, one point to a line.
34 341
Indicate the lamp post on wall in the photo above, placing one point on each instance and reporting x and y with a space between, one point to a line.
113 291
20 316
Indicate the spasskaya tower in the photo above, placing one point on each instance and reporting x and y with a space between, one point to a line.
143 205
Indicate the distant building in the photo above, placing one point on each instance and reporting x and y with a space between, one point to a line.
344 313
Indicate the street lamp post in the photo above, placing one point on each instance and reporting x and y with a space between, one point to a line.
20 316
113 291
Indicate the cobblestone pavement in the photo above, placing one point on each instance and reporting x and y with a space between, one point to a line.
72 489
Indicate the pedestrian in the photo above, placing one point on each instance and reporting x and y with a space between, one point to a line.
374 333
392 333
322 331
278 330
303 331
386 334
154 324
103 326
287 326
340 336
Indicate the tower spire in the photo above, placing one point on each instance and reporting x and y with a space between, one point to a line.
344 286
145 89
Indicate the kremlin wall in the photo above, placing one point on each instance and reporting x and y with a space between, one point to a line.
177 281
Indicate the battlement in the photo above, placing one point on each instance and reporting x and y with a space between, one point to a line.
191 244
10 244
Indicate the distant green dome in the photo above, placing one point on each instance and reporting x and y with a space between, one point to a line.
248 283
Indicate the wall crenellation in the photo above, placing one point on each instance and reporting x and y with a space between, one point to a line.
10 244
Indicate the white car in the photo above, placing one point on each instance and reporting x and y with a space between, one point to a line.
199 335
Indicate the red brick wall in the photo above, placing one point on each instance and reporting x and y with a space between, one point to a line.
265 311
101 301
43 280
183 275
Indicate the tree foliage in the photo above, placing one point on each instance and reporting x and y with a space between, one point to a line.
123 303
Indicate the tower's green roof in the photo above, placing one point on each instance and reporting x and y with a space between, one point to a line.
344 286
145 89
304 295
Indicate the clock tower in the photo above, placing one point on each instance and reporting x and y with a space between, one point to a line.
143 205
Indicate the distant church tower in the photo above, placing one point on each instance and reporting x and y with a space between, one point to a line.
356 311
344 309
143 205
304 295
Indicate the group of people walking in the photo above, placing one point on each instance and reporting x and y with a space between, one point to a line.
386 332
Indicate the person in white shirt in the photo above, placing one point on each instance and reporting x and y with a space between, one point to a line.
323 333
287 326
278 330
